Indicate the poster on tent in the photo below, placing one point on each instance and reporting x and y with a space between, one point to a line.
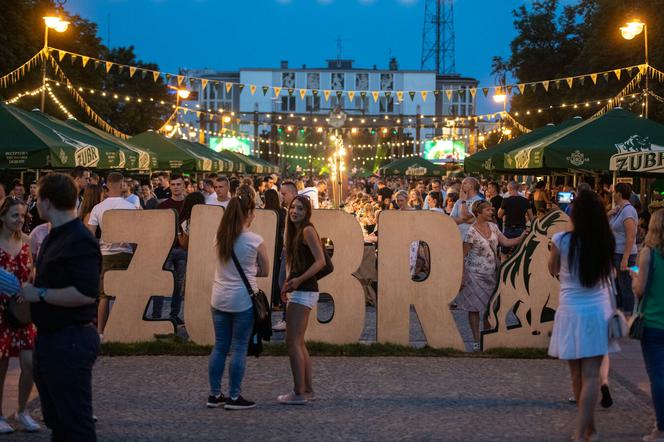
233 144
445 151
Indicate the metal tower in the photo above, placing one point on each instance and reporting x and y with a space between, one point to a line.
438 36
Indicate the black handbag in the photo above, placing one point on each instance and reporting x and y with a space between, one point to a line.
638 319
17 315
329 267
261 309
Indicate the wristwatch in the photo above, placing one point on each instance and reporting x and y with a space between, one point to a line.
42 293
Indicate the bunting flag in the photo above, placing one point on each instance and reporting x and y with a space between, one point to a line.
326 94
97 64
546 85
485 91
375 95
411 94
617 72
132 71
351 95
155 76
363 94
204 84
72 59
557 83
605 76
448 93
522 87
180 78
593 77
569 81
84 61
252 88
424 95
19 72
144 74
400 96
61 55
388 94
339 95
277 91
314 92
473 92
168 78
533 86
109 65
290 91
265 89
509 90
240 87
582 80
228 87
303 92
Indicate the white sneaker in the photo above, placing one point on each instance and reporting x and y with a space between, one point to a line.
5 428
279 326
29 424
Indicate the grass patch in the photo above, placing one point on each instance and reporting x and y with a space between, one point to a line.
174 346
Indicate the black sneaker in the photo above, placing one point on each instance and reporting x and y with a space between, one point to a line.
216 401
606 401
239 404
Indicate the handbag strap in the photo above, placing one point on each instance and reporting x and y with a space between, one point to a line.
242 274
613 292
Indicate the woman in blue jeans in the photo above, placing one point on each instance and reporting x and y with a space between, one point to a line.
232 312
648 285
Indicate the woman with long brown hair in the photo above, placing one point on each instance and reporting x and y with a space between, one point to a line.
15 340
232 310
92 195
304 259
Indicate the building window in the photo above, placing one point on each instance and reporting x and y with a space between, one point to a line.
313 103
313 80
361 82
362 104
386 82
288 104
337 81
386 105
288 79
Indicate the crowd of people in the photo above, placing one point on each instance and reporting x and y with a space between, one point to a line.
610 234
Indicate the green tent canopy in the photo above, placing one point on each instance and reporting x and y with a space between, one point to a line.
171 155
144 158
250 166
219 163
269 167
493 159
238 165
413 166
34 140
616 141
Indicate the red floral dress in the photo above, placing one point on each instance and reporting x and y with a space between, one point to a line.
13 340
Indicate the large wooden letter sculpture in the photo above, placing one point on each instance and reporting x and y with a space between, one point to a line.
154 232
526 289
202 263
397 291
348 320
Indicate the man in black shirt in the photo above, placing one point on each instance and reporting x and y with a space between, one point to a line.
163 190
64 298
384 192
515 211
493 195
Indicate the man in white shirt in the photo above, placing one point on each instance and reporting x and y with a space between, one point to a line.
311 192
128 194
221 197
114 256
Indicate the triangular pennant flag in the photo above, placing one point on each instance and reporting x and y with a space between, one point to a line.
339 95
521 87
400 96
303 93
326 94
388 94
411 94
109 65
180 78
191 82
363 94
72 59
424 95
375 95
557 83
533 87
120 68
144 74
61 55
642 69
509 90
228 87
436 92
265 89
473 92
252 89
617 72
582 80
204 84
351 95
605 75
570 81
156 75
132 71
546 85
485 91
593 77
85 60
168 78
314 92
240 86
290 91
449 95
277 91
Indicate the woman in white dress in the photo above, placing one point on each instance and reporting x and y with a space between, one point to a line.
583 259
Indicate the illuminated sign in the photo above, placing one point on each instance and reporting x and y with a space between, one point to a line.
445 151
230 143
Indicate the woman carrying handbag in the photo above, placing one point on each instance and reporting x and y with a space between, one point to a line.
648 286
232 309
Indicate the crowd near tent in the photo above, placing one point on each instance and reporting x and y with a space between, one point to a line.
412 166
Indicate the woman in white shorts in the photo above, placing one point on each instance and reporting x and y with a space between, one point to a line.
304 259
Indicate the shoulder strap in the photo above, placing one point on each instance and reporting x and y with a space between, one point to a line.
242 274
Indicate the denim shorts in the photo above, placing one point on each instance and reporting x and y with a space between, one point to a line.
307 299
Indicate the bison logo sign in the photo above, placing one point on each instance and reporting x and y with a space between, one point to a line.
638 154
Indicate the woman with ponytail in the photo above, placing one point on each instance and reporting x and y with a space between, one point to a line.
232 310
583 259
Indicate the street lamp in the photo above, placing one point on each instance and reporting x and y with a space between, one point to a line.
58 25
631 29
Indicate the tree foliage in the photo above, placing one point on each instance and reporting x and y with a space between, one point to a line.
556 42
22 35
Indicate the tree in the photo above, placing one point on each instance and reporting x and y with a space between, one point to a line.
21 36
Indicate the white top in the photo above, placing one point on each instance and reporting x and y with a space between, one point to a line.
134 199
572 292
37 237
617 222
312 194
228 291
456 212
96 219
213 201
436 209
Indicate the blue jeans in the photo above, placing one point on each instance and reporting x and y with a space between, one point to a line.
176 263
232 332
652 346
625 299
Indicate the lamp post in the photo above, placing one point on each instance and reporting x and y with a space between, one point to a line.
59 25
631 29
